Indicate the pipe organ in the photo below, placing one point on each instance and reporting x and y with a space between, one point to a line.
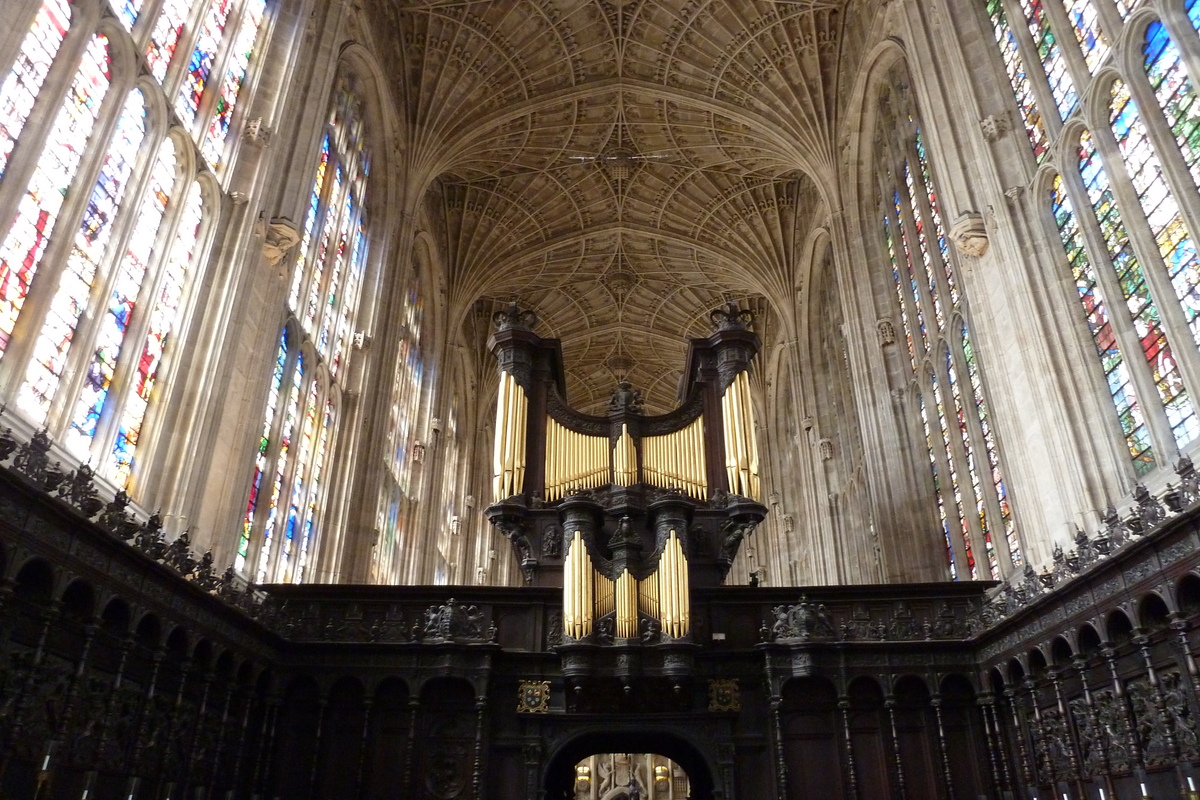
626 512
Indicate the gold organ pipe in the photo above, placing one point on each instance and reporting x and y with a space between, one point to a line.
569 591
506 482
667 591
498 449
522 429
730 448
751 436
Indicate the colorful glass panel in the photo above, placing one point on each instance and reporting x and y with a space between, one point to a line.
291 416
91 241
897 281
937 484
315 493
1018 76
199 67
23 84
306 450
350 298
328 238
261 457
1175 244
310 221
163 316
1142 309
127 11
904 238
1086 24
130 273
165 37
939 230
1062 88
328 313
1175 92
1193 12
989 447
968 452
213 146
22 250
1095 309
921 246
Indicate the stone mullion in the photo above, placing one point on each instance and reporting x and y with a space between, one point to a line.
946 483
1128 342
904 301
1145 246
50 98
907 249
1183 35
1179 180
108 426
1031 60
54 260
966 477
274 443
78 357
1064 34
938 264
19 20
991 498
294 469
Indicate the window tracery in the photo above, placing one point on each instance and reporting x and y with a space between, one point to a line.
1127 224
111 220
969 489
288 488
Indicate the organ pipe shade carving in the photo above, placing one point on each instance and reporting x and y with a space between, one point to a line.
741 442
512 407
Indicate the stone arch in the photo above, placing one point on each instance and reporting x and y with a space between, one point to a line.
673 742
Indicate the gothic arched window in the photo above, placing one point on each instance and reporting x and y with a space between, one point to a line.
288 488
1120 186
952 413
398 506
106 214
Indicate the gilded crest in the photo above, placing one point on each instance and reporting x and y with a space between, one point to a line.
533 697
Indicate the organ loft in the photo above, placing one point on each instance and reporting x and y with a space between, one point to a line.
599 399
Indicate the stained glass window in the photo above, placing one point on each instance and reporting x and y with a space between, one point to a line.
1140 256
261 459
75 284
97 261
21 88
1062 88
213 145
23 248
128 11
961 450
284 517
1086 24
115 323
1014 66
162 319
165 38
1095 308
1175 92
204 53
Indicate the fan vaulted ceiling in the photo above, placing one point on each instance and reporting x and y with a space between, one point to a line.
620 166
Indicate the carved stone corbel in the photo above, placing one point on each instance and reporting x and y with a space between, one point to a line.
279 236
969 234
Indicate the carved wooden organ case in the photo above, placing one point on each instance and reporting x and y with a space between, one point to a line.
627 512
